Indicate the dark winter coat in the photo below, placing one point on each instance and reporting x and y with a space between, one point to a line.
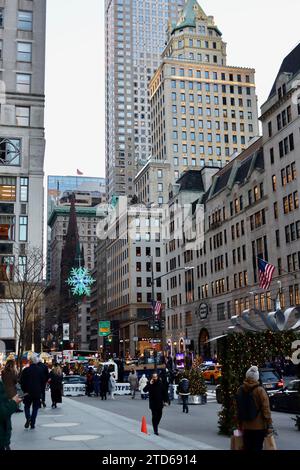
104 379
10 380
44 371
184 387
157 395
32 381
7 408
56 387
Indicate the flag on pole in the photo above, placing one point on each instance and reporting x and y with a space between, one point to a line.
266 271
156 307
79 173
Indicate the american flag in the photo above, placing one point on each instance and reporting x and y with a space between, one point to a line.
156 307
266 271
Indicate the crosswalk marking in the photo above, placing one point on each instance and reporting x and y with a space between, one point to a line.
211 396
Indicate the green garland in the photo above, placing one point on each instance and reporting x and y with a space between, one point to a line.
238 352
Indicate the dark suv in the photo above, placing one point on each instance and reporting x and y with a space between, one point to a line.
269 379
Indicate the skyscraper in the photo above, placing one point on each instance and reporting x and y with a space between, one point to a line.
202 110
135 39
22 142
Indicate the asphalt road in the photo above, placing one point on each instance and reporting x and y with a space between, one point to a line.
200 424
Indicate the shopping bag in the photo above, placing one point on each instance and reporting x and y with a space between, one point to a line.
237 442
269 443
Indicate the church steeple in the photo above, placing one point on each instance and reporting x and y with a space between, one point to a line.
70 257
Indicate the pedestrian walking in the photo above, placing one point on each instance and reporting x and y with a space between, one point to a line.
157 400
56 385
254 414
45 373
134 382
89 382
112 385
142 384
9 377
104 383
8 406
184 392
32 383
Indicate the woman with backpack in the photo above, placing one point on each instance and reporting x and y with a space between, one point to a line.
184 392
254 414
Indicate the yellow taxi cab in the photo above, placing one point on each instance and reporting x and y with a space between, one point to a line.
212 373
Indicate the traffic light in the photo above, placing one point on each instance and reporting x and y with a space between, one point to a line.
108 340
162 324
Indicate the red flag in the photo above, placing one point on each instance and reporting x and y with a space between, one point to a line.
79 173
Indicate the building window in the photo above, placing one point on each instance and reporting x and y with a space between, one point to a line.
139 297
10 151
23 83
22 116
24 190
7 188
138 251
138 282
24 52
23 229
25 20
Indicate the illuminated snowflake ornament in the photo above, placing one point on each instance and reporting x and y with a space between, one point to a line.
80 282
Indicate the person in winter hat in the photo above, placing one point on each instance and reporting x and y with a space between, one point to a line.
254 414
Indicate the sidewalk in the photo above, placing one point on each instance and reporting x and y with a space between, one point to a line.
78 426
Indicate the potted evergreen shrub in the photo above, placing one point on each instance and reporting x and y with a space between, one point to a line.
198 388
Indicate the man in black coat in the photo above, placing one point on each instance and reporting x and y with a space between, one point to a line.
158 398
45 373
32 383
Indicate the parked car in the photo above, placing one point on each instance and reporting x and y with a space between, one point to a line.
212 373
269 378
287 399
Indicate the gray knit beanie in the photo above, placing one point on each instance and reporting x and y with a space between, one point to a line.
253 374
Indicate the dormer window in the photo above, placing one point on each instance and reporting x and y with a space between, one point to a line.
284 89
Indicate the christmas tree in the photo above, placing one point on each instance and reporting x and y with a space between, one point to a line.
197 382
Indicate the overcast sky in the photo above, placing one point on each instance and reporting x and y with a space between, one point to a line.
258 34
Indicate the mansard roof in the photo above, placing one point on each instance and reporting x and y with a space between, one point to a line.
290 65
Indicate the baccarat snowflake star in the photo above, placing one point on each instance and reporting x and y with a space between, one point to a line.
80 281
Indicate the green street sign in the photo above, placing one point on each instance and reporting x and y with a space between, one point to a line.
104 328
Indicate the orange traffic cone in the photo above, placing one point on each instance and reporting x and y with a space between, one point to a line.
144 425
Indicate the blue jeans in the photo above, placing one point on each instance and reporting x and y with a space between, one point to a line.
35 402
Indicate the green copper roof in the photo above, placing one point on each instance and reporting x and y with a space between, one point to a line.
188 15
65 211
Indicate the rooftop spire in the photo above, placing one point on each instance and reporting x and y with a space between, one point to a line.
188 15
